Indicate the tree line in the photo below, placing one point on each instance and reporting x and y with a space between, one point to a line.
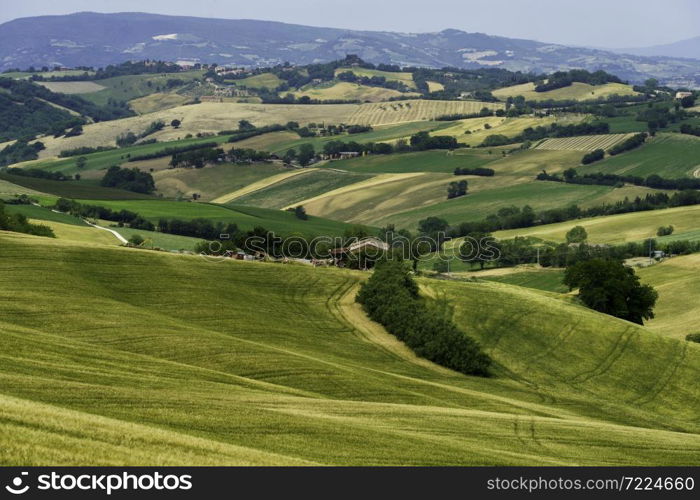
390 297
654 181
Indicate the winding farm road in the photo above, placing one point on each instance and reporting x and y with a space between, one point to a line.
116 234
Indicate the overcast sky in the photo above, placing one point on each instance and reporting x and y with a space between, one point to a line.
599 23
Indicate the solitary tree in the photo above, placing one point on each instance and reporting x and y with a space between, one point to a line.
610 287
306 154
300 213
176 123
577 234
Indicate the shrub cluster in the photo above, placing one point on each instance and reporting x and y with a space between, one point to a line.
481 171
19 224
131 179
390 297
628 144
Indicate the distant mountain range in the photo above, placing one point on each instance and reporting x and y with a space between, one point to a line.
91 39
685 48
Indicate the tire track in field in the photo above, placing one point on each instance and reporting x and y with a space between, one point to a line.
665 379
555 344
610 358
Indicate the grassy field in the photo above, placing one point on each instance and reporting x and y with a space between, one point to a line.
635 226
9 190
47 74
396 76
545 279
414 111
678 307
348 92
73 189
422 161
157 102
245 217
82 234
291 191
262 81
582 143
380 197
668 155
44 214
212 117
154 239
129 87
213 181
105 159
412 186
577 91
280 142
263 183
73 87
151 360
435 86
484 201
473 131
206 117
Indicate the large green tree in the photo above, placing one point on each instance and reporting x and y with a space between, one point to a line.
610 287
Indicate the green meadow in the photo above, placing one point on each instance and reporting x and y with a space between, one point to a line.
245 217
148 358
667 155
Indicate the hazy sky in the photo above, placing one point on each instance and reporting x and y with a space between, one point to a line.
600 23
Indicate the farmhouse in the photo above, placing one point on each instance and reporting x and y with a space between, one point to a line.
371 246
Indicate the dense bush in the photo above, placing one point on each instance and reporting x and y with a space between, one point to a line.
610 287
85 150
690 130
19 224
20 151
562 79
693 337
593 156
132 219
390 297
39 174
602 179
171 151
628 144
131 179
481 171
422 141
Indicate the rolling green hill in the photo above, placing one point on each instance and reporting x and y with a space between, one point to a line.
145 358
667 155
635 226
245 217
678 306
72 189
298 188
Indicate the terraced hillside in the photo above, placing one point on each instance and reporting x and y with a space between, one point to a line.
582 143
473 131
415 110
212 117
252 363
